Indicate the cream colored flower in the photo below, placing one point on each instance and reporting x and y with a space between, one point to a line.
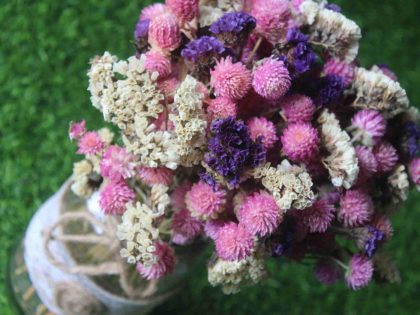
399 184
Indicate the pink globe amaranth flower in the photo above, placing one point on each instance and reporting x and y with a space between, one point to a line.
164 33
185 227
338 67
297 108
158 62
296 4
114 196
414 170
356 208
300 142
212 227
178 195
261 127
326 272
360 272
273 19
117 163
152 11
271 79
168 87
185 10
370 123
387 157
156 175
204 202
234 242
231 80
259 214
368 164
383 224
319 216
90 143
164 265
222 107
77 129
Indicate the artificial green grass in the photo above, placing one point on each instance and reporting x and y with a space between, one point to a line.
45 46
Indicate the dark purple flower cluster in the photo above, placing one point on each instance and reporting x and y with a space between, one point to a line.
413 137
231 149
234 22
142 29
371 243
331 88
202 48
303 56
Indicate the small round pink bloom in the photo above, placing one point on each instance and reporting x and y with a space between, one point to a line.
204 202
156 175
152 11
178 195
260 214
185 10
387 157
367 162
360 272
297 108
383 224
164 265
117 163
370 124
271 79
114 196
319 216
222 107
164 33
185 227
414 169
234 242
168 87
338 67
157 62
90 143
356 208
261 127
300 142
77 129
327 273
212 227
273 19
231 80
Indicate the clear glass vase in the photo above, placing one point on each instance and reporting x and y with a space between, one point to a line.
70 282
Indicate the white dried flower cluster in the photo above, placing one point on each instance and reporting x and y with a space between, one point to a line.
130 103
106 135
342 162
377 91
138 227
399 184
290 185
230 5
189 122
101 82
80 179
332 30
232 275
209 15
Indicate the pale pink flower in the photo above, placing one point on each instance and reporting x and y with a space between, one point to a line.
300 141
222 107
114 196
204 202
360 272
261 127
164 33
117 163
185 10
185 227
234 242
152 11
164 265
297 108
370 123
90 143
158 62
77 129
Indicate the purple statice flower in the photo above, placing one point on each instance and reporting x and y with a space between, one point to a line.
331 88
333 7
202 49
142 29
375 236
234 22
413 137
209 179
295 36
303 57
231 149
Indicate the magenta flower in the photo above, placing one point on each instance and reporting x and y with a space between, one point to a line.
117 163
164 265
326 272
77 129
297 108
185 227
319 216
114 196
155 175
205 202
300 141
260 127
234 242
90 143
356 208
360 272
387 157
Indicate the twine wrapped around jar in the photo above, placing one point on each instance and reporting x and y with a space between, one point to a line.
59 243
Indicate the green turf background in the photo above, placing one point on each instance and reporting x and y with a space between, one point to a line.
45 46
